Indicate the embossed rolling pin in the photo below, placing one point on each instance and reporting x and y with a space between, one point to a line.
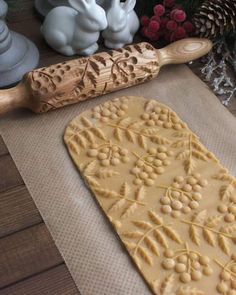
73 81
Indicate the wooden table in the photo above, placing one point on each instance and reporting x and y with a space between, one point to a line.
30 263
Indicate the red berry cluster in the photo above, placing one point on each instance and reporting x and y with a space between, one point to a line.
168 22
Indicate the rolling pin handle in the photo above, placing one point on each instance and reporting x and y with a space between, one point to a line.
184 51
13 98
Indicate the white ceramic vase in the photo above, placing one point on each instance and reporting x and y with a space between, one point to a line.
3 9
18 55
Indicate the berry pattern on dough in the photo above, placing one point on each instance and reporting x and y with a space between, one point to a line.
171 202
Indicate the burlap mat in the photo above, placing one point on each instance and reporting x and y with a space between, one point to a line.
93 254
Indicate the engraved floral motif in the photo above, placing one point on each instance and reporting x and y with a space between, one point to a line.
136 132
126 160
227 284
188 264
227 194
77 80
228 209
82 134
110 110
167 286
150 165
228 190
208 227
149 236
183 195
123 204
156 115
188 290
92 175
193 150
108 153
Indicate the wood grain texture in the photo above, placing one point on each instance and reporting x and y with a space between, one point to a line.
56 281
17 211
183 51
10 176
27 23
27 253
74 81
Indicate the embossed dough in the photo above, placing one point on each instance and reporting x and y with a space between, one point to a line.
171 202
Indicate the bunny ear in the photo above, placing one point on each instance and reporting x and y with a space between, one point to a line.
129 5
80 5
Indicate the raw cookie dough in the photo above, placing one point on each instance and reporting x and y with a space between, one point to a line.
171 202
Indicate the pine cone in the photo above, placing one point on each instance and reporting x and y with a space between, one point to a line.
215 18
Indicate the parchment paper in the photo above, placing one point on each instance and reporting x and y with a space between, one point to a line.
94 255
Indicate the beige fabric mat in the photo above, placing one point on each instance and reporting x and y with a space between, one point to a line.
93 253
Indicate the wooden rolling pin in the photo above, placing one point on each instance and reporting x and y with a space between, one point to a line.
73 81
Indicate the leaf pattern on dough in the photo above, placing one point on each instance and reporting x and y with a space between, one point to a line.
140 193
89 167
155 234
159 139
117 134
183 155
167 285
92 175
144 255
226 191
224 244
180 143
226 276
149 236
193 150
194 234
105 173
189 165
135 133
150 104
117 205
223 176
125 204
209 237
172 234
151 245
189 291
211 234
84 133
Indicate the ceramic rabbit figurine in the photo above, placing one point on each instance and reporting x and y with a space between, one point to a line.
123 23
3 9
75 30
43 7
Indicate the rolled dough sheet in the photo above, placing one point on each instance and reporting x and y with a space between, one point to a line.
171 202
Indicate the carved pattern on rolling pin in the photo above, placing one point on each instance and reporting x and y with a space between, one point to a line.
92 76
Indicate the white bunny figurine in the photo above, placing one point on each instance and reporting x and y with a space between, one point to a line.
75 30
123 23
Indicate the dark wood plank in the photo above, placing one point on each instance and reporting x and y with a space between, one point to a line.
3 148
27 253
17 211
52 282
9 175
